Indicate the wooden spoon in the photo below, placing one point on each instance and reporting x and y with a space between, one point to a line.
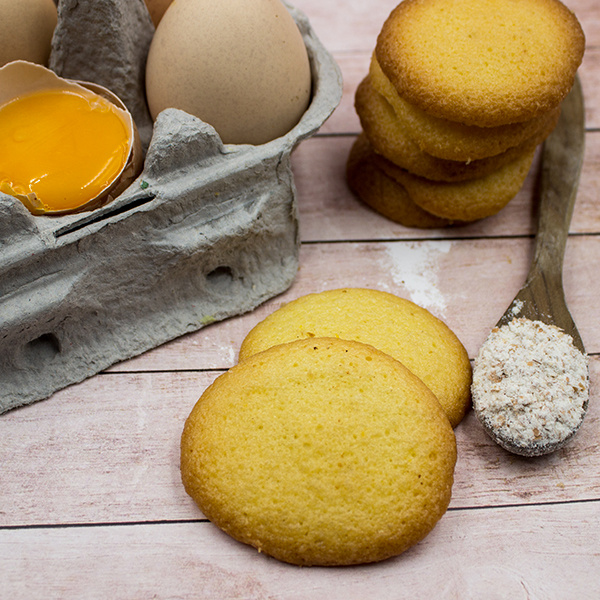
542 297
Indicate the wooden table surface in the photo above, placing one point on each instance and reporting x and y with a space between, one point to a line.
91 504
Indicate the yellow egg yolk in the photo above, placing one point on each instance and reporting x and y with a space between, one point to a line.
64 147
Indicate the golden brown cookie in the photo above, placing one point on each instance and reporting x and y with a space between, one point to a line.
320 452
408 332
387 136
481 62
456 141
464 200
382 193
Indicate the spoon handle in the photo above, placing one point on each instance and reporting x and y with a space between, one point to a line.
542 296
562 159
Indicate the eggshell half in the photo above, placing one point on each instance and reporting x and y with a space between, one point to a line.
20 78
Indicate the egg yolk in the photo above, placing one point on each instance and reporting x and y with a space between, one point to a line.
63 147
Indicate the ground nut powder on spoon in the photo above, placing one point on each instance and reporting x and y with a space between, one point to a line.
530 386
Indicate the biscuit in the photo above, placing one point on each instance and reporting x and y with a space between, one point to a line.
465 200
481 62
396 326
456 141
320 452
382 193
388 137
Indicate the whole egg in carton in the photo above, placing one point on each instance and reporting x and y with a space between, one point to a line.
207 230
239 65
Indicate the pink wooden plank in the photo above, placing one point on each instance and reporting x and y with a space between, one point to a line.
354 24
107 451
467 283
330 211
547 552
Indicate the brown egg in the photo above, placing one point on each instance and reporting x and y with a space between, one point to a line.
239 65
26 28
157 9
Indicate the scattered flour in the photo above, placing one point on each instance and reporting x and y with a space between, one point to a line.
530 386
415 267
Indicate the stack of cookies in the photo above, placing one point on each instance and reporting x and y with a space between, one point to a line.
458 96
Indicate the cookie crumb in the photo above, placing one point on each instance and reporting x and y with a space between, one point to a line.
530 386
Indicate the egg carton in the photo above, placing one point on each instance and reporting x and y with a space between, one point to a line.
206 232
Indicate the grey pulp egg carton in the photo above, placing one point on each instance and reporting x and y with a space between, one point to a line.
206 232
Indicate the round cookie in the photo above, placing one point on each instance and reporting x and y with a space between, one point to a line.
388 138
396 326
382 193
481 62
455 141
320 452
465 200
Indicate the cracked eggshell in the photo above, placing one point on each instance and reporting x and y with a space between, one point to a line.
240 66
26 29
19 78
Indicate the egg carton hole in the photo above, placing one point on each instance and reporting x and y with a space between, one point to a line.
42 349
221 277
